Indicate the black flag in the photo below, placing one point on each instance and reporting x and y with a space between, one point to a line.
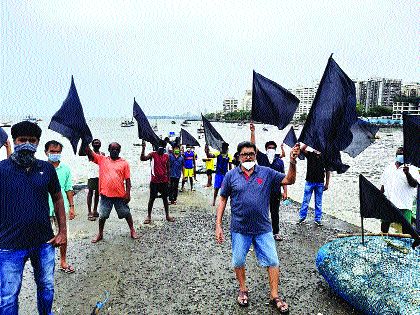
213 138
411 131
333 112
271 103
363 136
188 139
374 204
144 129
290 139
70 121
3 137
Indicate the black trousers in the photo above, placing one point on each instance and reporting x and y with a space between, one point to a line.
173 189
274 211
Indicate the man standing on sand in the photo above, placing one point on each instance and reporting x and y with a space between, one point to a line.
159 182
113 171
209 162
25 227
223 165
249 186
399 183
274 161
53 151
316 172
93 184
176 165
189 167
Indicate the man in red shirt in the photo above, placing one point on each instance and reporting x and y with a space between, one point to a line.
159 182
113 171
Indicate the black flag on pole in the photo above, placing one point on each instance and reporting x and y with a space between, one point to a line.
374 204
290 140
70 121
145 131
213 138
188 139
333 112
411 131
3 137
271 103
363 136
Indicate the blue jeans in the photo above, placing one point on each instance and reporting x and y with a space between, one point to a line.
318 188
12 262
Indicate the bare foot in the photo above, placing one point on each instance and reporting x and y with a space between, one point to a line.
170 219
97 238
134 235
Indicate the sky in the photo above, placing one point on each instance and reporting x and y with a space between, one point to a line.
176 57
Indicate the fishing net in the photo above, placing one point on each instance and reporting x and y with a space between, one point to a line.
380 277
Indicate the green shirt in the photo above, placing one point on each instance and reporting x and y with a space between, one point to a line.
64 177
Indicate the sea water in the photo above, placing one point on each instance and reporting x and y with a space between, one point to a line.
340 200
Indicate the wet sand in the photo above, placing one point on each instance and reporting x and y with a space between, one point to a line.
177 268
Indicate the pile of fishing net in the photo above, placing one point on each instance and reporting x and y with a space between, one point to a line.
380 277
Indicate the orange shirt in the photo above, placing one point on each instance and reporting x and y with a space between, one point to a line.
112 175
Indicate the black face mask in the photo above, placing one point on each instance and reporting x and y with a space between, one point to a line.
161 150
114 154
96 147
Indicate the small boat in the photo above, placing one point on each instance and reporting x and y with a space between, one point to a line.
185 123
265 128
155 127
6 124
173 122
201 129
31 119
127 123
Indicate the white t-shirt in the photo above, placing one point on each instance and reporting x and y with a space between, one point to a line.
396 186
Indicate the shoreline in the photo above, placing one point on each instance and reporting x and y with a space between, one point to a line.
177 268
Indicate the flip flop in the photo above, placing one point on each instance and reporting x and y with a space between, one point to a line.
69 269
242 298
91 218
274 303
147 221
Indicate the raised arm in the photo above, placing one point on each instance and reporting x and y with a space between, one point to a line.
291 173
207 151
283 154
142 156
252 128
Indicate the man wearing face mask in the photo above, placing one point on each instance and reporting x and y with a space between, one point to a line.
249 186
223 165
399 183
113 172
159 182
274 161
25 227
176 165
93 184
189 167
53 151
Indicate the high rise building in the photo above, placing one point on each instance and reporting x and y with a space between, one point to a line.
306 95
409 102
230 105
377 92
247 101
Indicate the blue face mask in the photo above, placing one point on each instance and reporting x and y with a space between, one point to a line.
54 157
26 147
399 159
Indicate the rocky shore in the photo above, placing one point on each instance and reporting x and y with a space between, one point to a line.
177 268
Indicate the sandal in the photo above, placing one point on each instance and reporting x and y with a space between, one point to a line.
91 218
283 308
68 269
243 298
147 221
277 237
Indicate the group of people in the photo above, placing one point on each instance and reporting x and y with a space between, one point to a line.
37 196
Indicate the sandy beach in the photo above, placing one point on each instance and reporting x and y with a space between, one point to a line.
177 268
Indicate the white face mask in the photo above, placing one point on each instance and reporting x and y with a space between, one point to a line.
270 154
248 165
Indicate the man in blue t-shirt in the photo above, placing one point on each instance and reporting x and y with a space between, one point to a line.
189 167
223 165
176 167
25 227
272 160
249 187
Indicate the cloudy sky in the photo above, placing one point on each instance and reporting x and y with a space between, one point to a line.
187 56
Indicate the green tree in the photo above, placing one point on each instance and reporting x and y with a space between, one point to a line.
303 117
360 109
379 111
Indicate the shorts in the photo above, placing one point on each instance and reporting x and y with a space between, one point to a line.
188 172
93 183
218 179
106 204
264 246
156 188
209 172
